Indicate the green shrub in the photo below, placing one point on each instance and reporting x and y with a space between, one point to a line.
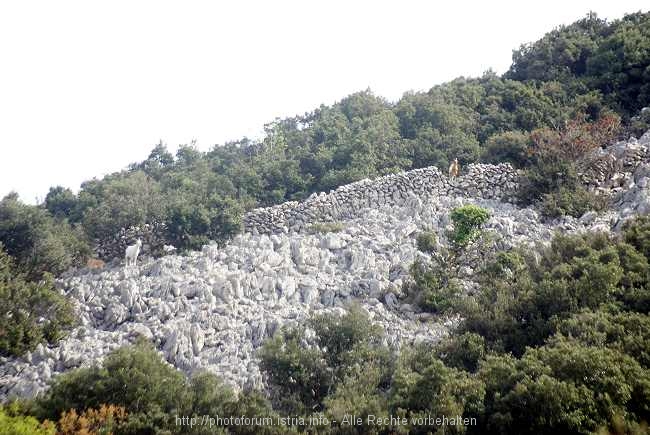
305 378
571 202
518 309
62 203
549 174
30 312
434 287
299 373
623 332
37 242
119 201
423 385
552 388
23 425
510 146
463 351
467 222
427 241
636 232
326 227
136 378
190 224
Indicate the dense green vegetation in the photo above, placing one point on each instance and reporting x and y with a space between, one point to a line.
150 395
555 340
31 311
38 242
306 379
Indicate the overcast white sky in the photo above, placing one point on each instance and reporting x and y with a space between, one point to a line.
87 87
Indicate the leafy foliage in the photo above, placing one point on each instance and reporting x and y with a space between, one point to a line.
435 286
305 375
38 242
31 312
427 241
553 176
612 58
519 308
423 385
136 379
571 202
104 420
14 423
467 222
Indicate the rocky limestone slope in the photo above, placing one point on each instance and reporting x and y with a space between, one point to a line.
213 309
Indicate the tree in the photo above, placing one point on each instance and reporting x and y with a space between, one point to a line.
62 203
434 286
305 373
37 242
136 379
30 312
121 201
511 146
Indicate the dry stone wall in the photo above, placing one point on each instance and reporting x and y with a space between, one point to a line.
346 202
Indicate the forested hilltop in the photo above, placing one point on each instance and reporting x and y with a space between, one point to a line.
579 73
551 341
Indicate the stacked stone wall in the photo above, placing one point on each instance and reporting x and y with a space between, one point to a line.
349 201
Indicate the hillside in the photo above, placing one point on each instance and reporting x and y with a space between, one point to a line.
214 308
335 268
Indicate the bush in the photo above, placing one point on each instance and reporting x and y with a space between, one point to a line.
191 225
549 174
636 232
38 242
299 373
62 204
467 222
424 386
552 177
511 146
306 373
23 425
434 287
571 202
520 308
326 227
105 420
463 351
30 312
427 241
136 378
624 332
120 201
552 389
